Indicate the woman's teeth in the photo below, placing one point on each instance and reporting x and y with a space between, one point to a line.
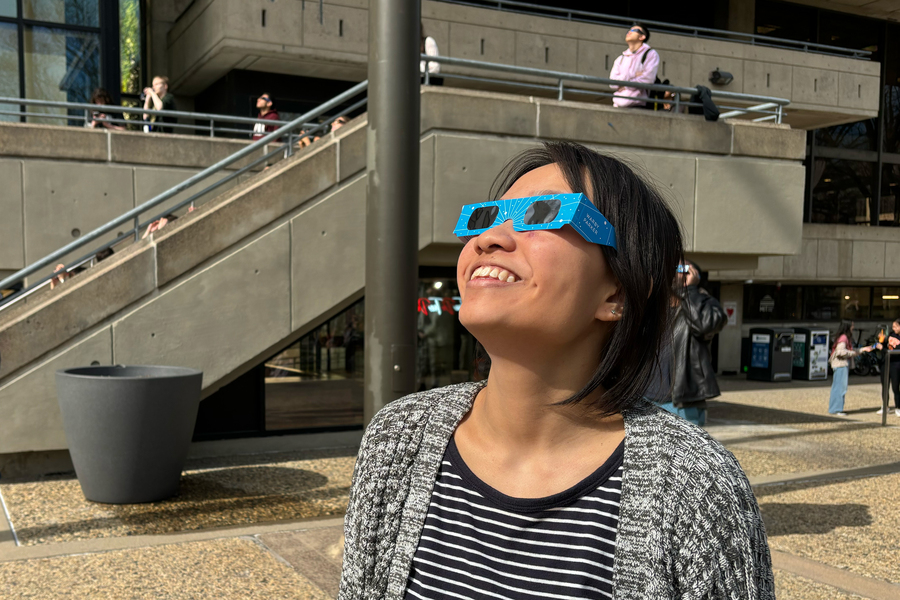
495 273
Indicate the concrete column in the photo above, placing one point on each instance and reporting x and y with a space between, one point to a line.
392 202
730 338
742 16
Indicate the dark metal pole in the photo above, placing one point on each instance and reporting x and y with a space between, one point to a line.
392 202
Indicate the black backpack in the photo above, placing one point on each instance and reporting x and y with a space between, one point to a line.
653 94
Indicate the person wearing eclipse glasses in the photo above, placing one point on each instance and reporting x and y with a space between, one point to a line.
637 63
554 477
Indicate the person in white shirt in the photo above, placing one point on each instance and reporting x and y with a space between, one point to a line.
429 46
638 63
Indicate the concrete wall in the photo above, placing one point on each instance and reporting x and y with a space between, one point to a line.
63 182
254 269
832 253
213 37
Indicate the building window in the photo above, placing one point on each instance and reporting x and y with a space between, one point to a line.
843 192
130 46
886 303
825 303
58 50
772 302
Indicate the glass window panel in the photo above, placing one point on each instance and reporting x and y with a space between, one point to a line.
8 8
772 302
9 68
842 192
71 12
890 196
130 45
886 303
60 65
318 381
786 21
892 90
849 31
861 135
826 303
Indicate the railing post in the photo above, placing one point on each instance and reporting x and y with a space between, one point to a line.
137 228
561 90
87 117
779 113
427 75
212 128
677 103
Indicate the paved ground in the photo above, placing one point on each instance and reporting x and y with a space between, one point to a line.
268 525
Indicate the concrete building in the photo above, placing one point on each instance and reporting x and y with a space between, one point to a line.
263 287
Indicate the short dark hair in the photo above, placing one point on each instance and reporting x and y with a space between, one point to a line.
644 28
101 96
269 96
649 248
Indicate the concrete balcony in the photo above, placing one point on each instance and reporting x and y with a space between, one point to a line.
212 37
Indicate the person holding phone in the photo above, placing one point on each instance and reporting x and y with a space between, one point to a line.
698 318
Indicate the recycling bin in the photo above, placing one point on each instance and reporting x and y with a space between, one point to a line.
128 428
771 354
810 356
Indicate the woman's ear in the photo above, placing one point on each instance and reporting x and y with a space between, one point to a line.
612 303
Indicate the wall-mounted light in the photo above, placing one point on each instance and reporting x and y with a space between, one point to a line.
438 285
890 297
846 297
718 77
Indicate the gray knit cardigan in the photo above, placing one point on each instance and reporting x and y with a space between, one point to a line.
689 526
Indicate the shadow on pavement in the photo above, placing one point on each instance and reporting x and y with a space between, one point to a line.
223 498
730 411
816 519
740 383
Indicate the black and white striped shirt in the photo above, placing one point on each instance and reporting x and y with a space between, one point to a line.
480 544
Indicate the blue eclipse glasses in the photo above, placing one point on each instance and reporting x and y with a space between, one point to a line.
537 213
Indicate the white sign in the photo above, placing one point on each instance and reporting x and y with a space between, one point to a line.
731 311
762 338
800 337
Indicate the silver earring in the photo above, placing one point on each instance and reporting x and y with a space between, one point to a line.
613 311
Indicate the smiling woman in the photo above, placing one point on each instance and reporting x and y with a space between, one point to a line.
554 477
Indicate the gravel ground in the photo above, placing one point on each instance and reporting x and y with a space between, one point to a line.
793 587
221 569
54 510
848 524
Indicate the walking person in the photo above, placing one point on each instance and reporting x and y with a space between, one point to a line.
841 360
698 318
637 63
893 341
554 477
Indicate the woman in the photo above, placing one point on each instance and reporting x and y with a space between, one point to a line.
98 119
554 477
893 341
428 45
841 360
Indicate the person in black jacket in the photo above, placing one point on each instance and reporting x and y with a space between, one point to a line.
698 318
893 343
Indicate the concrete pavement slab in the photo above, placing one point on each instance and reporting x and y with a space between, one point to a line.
223 569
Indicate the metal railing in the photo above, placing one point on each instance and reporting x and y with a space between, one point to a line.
89 111
674 28
770 108
286 136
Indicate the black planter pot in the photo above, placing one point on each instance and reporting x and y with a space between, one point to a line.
128 429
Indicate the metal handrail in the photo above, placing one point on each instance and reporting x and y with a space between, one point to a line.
600 18
561 77
770 107
134 214
91 108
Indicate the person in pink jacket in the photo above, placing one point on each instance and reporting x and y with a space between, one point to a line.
638 63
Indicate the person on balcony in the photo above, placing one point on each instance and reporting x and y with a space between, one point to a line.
100 119
428 45
639 63
267 111
158 95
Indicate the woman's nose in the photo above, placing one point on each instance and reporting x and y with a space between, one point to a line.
497 237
